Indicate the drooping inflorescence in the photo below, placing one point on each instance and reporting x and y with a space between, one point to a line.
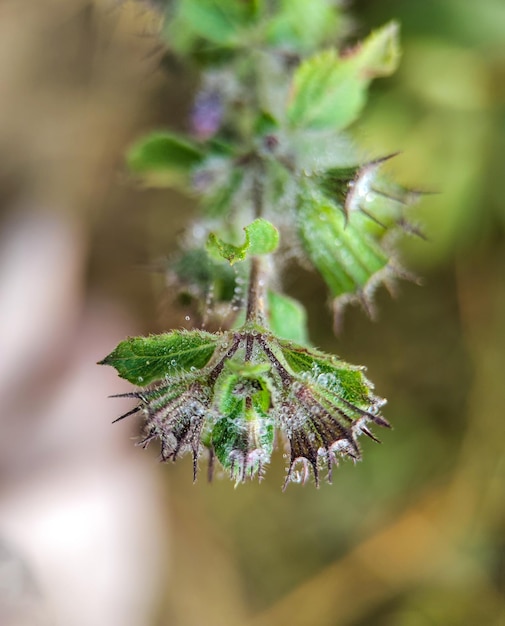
278 179
250 391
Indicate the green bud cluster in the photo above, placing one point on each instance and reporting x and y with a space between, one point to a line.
232 394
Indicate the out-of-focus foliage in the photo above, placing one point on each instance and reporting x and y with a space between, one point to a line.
163 159
253 130
448 103
329 91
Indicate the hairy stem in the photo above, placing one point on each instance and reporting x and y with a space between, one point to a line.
255 311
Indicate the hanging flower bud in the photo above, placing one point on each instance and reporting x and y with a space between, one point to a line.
241 387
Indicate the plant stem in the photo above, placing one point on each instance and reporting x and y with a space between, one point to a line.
255 311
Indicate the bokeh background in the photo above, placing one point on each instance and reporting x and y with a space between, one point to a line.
92 530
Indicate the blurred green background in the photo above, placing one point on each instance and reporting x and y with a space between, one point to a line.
92 530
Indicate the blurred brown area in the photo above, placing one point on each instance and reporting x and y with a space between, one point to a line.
82 535
92 530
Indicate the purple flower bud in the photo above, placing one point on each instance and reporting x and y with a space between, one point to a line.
207 114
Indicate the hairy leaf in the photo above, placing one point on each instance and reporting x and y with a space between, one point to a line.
329 90
346 256
142 360
328 371
163 158
261 237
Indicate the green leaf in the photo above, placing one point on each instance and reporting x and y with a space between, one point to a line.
243 438
336 183
163 159
219 22
302 25
253 371
287 317
347 256
362 191
261 237
142 360
265 124
329 90
328 373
